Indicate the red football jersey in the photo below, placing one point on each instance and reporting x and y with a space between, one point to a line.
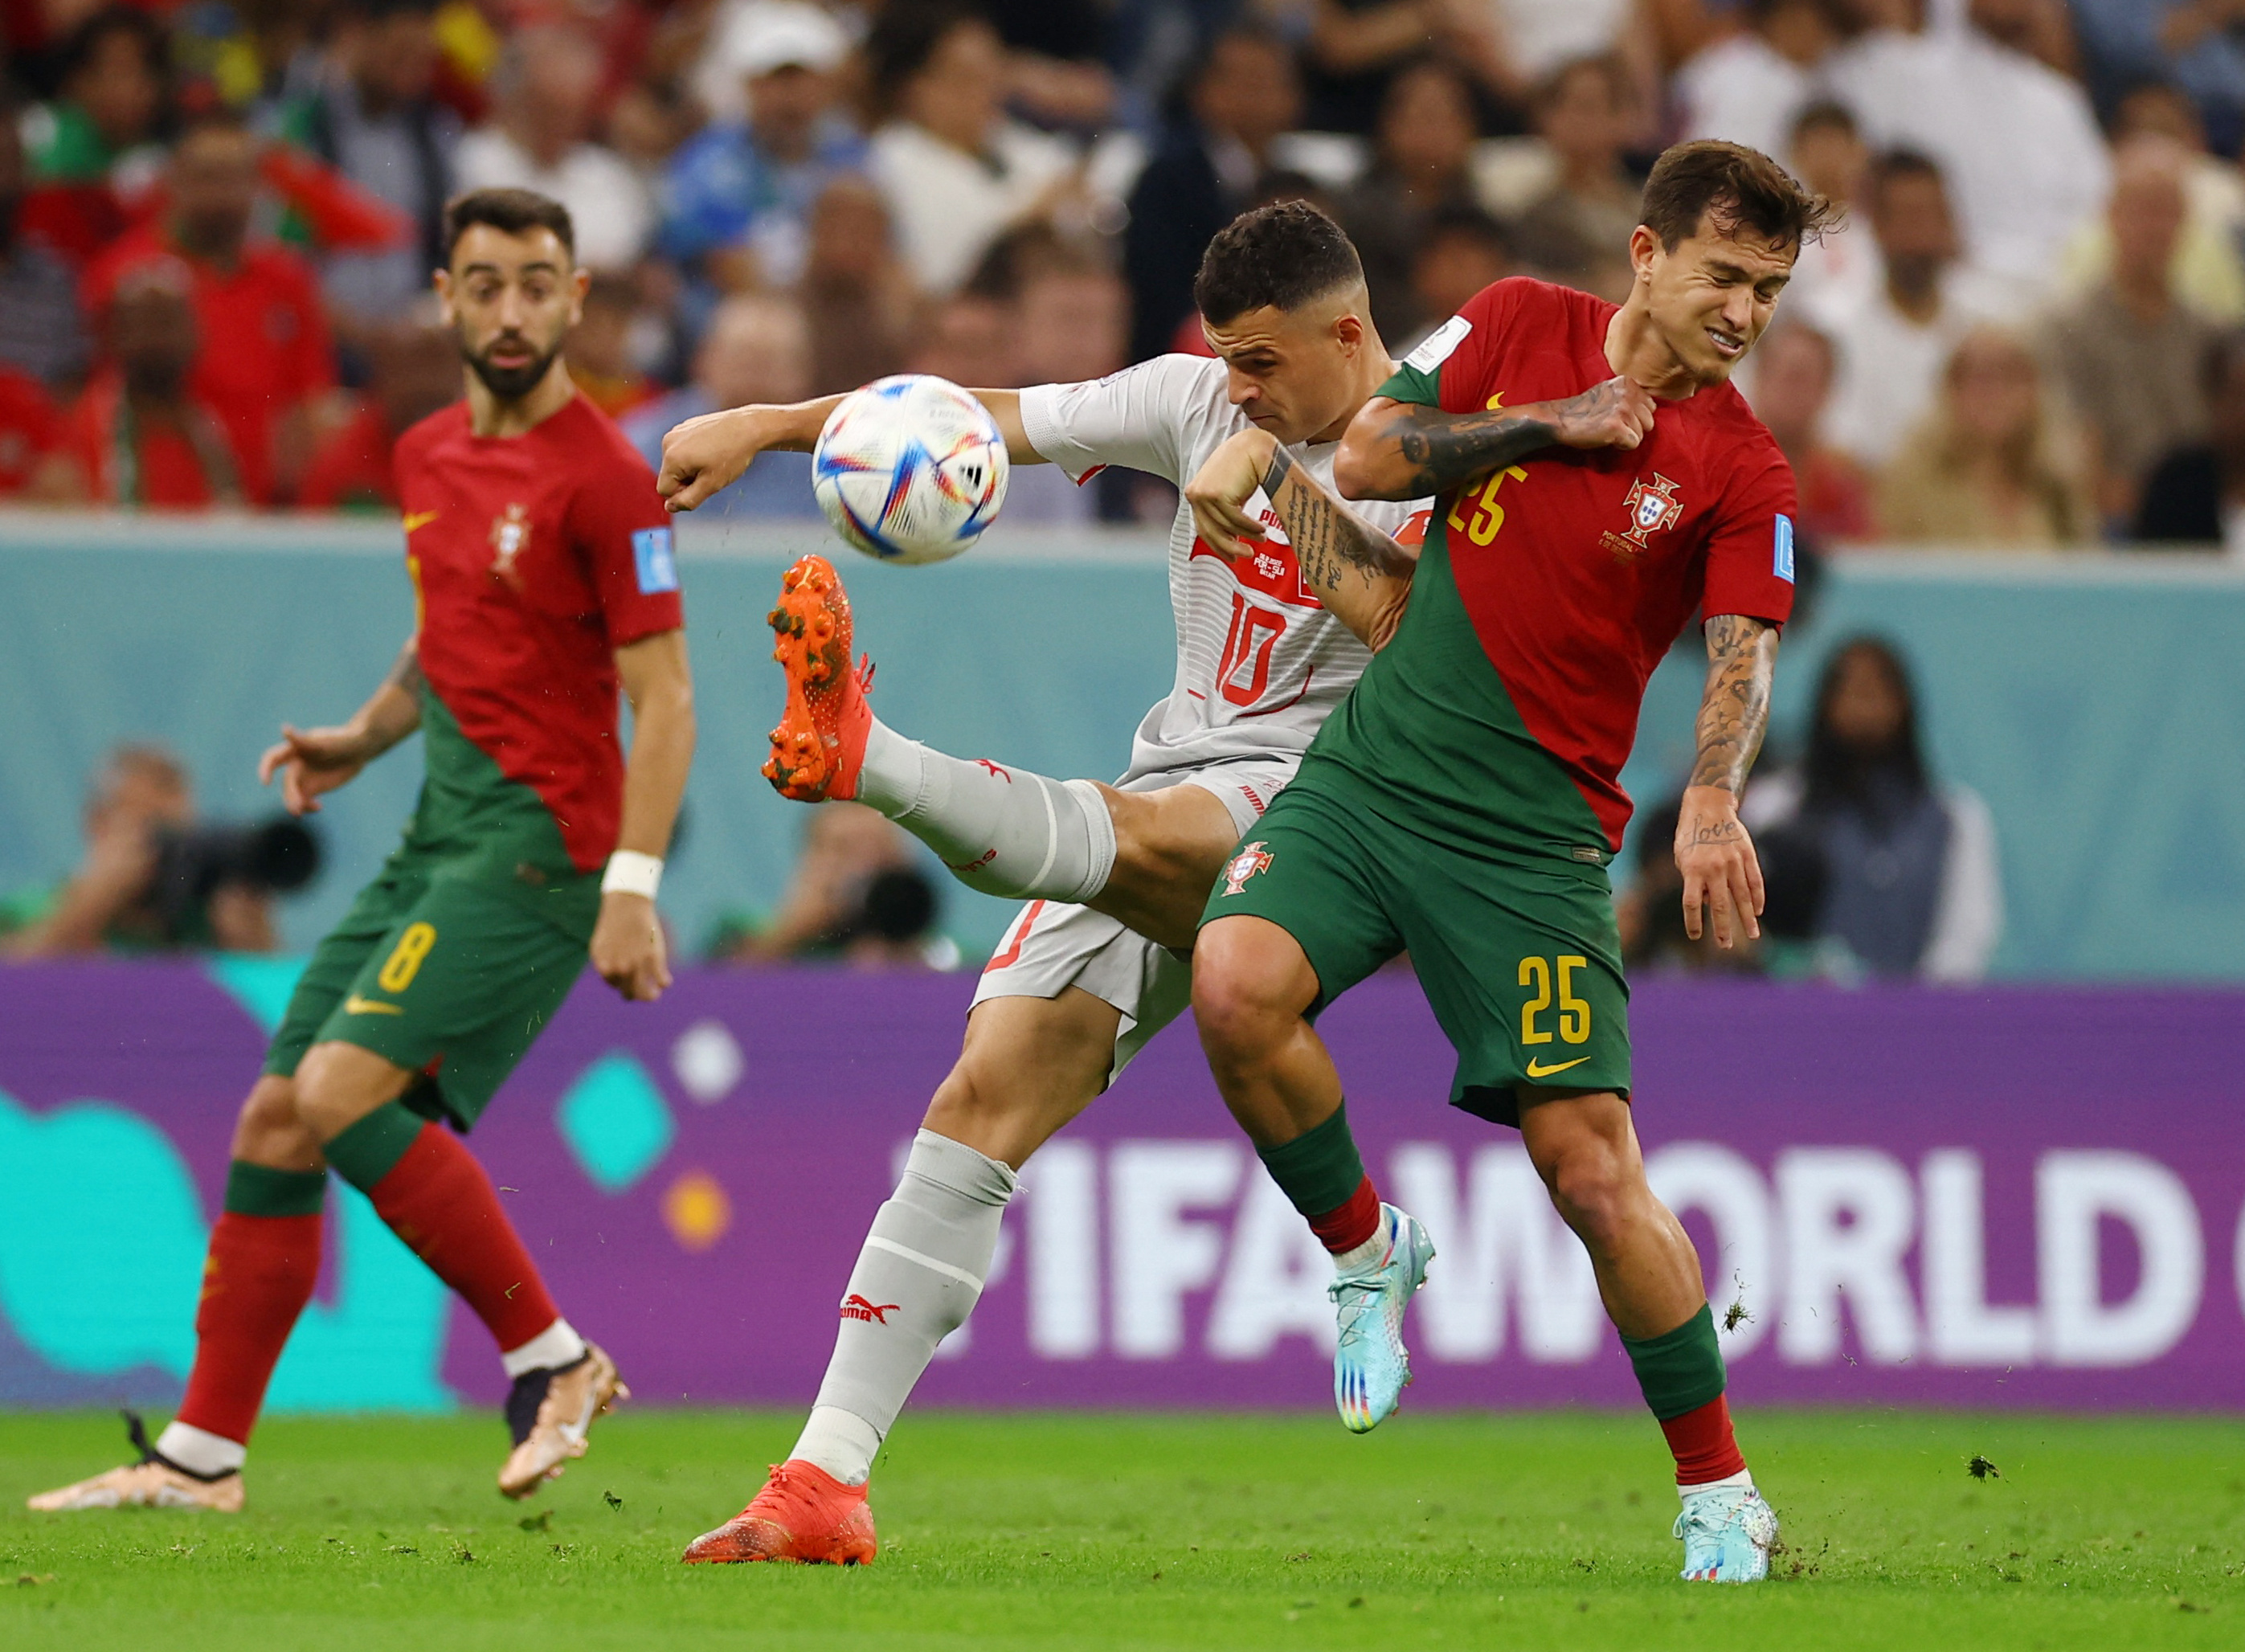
264 345
534 558
1578 569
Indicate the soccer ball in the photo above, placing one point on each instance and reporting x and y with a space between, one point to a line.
910 469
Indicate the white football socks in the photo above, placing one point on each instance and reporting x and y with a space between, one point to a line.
919 1276
199 1450
1743 1480
1003 831
550 1349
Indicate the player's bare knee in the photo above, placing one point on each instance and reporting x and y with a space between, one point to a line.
1246 990
338 1084
268 1131
1595 1191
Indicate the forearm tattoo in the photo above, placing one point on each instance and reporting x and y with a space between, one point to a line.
406 672
1734 712
1329 539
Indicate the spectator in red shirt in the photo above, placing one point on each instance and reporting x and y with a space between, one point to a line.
139 434
266 355
415 371
29 430
1793 382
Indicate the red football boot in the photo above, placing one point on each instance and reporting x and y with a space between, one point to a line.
803 1514
820 742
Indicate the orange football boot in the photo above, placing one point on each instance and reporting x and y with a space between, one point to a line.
820 743
803 1514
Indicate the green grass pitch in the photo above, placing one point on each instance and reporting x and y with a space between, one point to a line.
1142 1531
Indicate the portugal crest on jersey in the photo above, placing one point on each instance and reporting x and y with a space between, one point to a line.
509 535
1252 859
1651 506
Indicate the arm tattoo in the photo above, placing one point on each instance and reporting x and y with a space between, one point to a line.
1329 539
406 674
1734 712
1446 449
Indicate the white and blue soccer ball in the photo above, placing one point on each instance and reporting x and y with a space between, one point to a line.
910 469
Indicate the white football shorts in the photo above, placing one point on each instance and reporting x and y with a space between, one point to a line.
1052 945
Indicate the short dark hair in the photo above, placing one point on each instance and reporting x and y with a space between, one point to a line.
904 37
1463 221
1732 187
510 212
1820 112
1281 256
1901 163
80 45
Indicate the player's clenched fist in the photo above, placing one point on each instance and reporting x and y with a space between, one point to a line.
708 453
628 947
1221 488
1617 414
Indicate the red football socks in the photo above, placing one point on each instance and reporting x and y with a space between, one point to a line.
438 1201
1349 1225
1705 1449
258 1274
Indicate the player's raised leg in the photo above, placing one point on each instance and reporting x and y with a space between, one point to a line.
1143 857
1584 1146
1029 1066
1253 987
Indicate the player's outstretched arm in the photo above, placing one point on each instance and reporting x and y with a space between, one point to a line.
313 762
1712 850
706 454
1361 575
627 948
1404 450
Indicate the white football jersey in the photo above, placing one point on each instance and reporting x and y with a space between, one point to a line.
1260 663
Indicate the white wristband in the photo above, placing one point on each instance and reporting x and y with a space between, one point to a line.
632 873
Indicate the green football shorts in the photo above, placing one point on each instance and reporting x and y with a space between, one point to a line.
442 976
1519 961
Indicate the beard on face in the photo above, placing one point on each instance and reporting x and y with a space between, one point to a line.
508 383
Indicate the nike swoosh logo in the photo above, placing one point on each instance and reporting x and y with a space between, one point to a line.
356 1005
419 519
1537 1070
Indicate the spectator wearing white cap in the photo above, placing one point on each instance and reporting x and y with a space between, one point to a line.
737 198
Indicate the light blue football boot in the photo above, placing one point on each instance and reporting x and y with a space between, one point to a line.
1729 1532
1371 1368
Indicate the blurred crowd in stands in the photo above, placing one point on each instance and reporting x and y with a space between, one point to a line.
217 219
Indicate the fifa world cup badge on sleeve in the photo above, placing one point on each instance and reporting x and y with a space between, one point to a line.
1783 559
1250 859
656 560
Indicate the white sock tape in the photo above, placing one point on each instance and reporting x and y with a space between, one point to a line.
632 873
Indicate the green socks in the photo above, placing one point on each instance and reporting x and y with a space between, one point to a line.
370 1149
1681 1369
253 1190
